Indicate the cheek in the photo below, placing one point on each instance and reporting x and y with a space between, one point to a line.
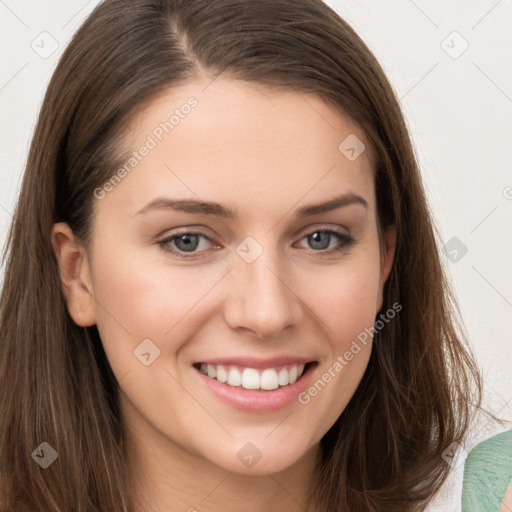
345 301
137 300
344 297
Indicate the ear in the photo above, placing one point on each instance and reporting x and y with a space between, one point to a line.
75 275
386 261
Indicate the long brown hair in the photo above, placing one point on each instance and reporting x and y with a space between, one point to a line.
384 453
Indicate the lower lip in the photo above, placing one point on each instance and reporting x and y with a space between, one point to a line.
254 400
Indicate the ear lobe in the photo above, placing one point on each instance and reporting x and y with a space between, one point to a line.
75 275
386 262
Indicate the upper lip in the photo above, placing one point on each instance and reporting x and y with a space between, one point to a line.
254 362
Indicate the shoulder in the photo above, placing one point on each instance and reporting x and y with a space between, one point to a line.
449 496
496 448
487 473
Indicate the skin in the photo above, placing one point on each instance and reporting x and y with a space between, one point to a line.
265 153
506 504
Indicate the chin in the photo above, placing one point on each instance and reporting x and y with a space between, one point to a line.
259 458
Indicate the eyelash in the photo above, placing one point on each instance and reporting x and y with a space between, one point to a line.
346 240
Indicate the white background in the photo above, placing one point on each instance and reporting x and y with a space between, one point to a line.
459 111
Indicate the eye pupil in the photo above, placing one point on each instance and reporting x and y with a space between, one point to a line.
190 242
316 238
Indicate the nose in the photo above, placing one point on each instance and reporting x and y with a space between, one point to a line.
262 299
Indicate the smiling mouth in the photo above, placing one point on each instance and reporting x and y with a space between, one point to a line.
265 379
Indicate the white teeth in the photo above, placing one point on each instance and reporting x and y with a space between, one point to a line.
293 374
269 379
222 374
212 372
250 378
283 378
234 377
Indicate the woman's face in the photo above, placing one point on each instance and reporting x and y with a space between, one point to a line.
281 285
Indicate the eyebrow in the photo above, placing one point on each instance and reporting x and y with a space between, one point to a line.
221 211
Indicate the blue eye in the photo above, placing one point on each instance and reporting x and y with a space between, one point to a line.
321 239
184 242
188 242
185 245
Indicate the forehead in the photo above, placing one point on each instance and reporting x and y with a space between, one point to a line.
234 141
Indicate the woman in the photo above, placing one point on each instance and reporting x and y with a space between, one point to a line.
223 287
